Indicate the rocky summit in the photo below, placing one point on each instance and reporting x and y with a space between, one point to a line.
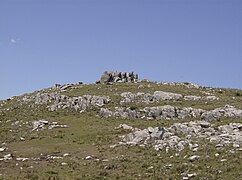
122 127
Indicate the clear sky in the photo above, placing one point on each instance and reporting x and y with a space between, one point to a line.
43 42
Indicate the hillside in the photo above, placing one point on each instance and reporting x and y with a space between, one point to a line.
122 128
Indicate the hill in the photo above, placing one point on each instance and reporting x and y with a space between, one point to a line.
122 128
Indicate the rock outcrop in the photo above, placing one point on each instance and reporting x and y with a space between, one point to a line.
177 137
157 96
55 101
185 84
199 98
111 76
226 111
160 112
168 112
147 98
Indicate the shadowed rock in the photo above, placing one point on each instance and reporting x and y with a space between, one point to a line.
108 77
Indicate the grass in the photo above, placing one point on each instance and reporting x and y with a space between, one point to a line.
90 135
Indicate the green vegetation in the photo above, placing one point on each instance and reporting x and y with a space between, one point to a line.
89 135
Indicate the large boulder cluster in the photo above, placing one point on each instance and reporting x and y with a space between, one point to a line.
178 136
111 76
57 101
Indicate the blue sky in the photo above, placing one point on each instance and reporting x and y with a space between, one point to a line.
43 42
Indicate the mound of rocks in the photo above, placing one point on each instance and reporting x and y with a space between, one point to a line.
111 76
57 101
178 136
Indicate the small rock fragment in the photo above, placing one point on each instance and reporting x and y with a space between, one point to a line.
194 158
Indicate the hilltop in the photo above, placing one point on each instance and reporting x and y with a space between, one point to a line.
122 127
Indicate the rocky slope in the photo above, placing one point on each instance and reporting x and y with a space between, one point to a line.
122 127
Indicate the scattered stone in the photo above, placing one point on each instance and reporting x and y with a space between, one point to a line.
185 178
168 166
125 126
41 124
57 126
194 158
199 98
192 175
3 149
22 159
7 157
223 160
66 154
64 164
37 125
88 157
188 176
114 146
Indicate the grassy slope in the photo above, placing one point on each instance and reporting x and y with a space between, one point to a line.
90 135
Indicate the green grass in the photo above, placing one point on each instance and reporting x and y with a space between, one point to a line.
90 135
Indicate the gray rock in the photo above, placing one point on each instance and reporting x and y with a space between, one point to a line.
105 113
141 97
216 114
37 125
177 137
125 126
160 95
65 87
3 149
108 77
160 112
41 124
198 98
194 158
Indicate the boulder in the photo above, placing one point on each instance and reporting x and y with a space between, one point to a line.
109 77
